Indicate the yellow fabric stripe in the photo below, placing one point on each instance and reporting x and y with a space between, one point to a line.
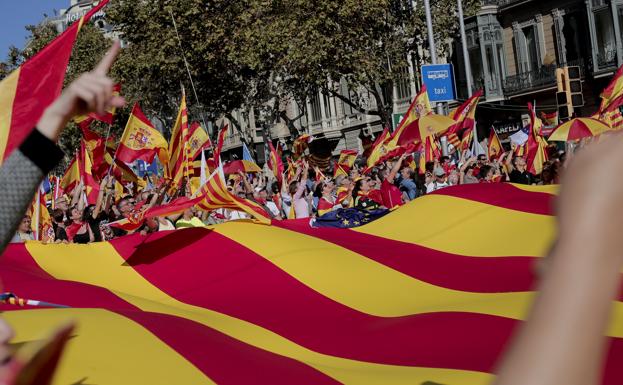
104 267
366 285
107 349
8 89
460 226
549 189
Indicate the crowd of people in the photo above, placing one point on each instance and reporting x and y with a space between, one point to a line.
304 193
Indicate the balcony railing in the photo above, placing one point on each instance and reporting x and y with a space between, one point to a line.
607 59
538 78
501 3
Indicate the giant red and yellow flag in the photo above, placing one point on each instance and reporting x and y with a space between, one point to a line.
141 140
27 91
380 304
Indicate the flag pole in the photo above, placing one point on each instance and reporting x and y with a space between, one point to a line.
190 77
37 213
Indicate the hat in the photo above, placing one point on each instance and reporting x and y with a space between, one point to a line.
439 171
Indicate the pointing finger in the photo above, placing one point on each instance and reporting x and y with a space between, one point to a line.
107 61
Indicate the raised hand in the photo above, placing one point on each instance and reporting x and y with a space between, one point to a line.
91 92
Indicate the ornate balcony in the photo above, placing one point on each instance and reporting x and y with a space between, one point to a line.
539 78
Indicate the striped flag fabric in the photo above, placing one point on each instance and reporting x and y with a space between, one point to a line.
275 164
30 89
178 150
216 196
378 304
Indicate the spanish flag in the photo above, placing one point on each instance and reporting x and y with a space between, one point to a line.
30 89
465 114
378 149
536 144
141 140
418 108
198 140
495 146
345 163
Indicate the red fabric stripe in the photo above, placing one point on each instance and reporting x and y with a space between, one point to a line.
40 82
224 359
217 355
128 155
242 284
503 195
474 274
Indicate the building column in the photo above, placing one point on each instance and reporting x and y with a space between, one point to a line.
323 112
591 28
559 24
540 38
412 75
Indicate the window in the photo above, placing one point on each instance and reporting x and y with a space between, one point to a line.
531 61
316 113
327 105
606 44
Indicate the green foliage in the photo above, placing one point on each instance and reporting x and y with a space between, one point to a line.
255 53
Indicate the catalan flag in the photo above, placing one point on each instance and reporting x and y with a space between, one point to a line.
178 149
216 196
300 145
378 304
275 164
222 134
30 89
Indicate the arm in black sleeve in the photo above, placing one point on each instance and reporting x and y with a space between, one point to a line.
20 176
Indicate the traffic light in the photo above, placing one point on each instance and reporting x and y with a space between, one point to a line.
569 95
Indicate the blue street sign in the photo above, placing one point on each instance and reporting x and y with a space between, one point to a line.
439 80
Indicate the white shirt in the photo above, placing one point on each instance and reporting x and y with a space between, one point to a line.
434 186
273 208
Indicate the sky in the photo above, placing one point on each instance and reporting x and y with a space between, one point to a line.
17 14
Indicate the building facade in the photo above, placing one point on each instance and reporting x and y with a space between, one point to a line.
515 47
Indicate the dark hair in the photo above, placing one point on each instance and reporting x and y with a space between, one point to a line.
429 166
444 158
318 190
58 215
124 199
515 159
484 170
292 188
357 187
274 188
